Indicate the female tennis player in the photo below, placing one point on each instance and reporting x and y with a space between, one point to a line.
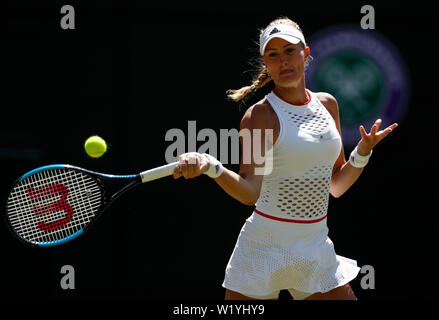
284 244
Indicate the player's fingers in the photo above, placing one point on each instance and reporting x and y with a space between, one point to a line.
182 160
192 167
184 164
192 158
389 128
363 132
183 167
201 165
373 130
378 123
385 132
177 172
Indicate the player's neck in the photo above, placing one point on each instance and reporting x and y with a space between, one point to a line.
294 95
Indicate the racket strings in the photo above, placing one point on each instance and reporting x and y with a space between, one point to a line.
53 204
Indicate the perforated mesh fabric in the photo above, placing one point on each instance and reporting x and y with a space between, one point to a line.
303 159
272 255
315 123
304 196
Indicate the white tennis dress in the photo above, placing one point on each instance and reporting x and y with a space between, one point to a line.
284 244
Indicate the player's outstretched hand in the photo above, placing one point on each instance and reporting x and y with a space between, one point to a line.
192 164
370 140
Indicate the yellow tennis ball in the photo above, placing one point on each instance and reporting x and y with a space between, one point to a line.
95 146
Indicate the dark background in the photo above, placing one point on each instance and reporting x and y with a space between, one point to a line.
130 72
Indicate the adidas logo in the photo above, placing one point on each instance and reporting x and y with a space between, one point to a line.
275 30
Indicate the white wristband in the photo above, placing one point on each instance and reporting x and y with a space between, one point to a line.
357 160
215 167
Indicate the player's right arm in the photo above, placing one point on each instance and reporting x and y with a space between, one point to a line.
245 185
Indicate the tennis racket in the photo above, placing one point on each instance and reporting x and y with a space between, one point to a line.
57 203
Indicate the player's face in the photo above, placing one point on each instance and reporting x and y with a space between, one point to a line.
285 61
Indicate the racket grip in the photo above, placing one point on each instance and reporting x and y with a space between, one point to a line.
158 172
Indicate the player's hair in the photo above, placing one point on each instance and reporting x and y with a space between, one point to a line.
263 76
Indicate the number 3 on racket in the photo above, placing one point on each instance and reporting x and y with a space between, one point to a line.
54 204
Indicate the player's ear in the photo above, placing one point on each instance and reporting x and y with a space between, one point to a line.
306 53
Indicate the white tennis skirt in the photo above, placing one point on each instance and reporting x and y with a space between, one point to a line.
272 255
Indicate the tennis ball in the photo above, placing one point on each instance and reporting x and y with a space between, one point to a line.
95 146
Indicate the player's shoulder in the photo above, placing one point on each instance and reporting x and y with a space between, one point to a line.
329 101
257 115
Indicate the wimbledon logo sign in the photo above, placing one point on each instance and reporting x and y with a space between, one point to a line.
364 72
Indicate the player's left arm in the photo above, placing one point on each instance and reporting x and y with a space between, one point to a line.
343 173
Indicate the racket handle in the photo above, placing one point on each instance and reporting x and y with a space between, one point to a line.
158 172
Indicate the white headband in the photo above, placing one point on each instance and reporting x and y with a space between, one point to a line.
284 31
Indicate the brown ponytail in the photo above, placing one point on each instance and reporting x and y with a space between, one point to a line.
261 80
